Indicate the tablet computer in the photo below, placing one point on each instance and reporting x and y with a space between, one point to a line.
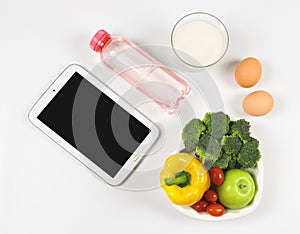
94 124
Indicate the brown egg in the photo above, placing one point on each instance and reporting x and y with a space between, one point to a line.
258 103
248 72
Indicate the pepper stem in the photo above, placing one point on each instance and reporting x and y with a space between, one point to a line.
181 179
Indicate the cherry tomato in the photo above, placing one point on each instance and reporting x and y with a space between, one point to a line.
216 175
210 196
200 206
216 209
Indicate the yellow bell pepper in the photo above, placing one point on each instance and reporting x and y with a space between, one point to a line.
184 179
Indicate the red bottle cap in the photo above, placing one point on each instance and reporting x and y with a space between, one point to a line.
99 40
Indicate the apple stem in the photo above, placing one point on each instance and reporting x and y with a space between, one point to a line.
242 186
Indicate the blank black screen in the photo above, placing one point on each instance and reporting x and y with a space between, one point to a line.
94 124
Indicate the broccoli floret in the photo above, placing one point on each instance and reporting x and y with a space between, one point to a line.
231 145
254 142
191 134
223 161
240 128
217 124
233 163
208 150
249 154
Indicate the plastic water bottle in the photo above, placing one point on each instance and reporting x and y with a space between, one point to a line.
141 70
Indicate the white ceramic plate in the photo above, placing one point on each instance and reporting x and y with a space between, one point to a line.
257 173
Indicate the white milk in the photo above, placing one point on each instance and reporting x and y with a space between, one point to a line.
198 43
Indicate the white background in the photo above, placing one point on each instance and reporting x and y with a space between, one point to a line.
44 190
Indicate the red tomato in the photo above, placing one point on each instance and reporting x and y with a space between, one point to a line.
210 196
200 206
216 209
216 175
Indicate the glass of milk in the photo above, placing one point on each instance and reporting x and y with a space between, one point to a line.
199 39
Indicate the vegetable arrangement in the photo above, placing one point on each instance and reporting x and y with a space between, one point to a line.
219 142
211 176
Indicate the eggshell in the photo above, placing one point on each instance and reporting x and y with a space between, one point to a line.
248 72
258 103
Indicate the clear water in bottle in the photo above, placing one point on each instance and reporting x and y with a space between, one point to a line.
141 70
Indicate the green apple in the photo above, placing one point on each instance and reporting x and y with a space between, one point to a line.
237 190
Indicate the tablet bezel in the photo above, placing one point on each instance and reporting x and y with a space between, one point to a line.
50 93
